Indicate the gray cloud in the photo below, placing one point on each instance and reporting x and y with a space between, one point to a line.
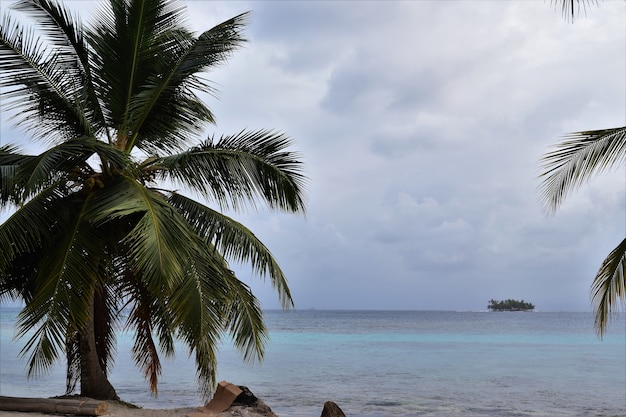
421 124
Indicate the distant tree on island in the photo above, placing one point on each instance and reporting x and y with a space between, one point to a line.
510 305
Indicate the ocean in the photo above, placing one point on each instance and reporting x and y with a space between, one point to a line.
390 363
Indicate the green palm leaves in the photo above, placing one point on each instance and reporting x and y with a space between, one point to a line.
577 158
573 161
96 235
45 76
570 8
609 286
239 169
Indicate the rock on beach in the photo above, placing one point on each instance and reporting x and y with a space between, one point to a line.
232 400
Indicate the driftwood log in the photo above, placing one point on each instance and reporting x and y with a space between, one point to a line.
82 407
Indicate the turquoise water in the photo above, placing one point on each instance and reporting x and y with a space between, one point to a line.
392 363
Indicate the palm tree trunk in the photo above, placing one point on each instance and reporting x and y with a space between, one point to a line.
93 380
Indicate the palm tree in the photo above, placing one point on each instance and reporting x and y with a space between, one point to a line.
580 156
99 233
572 162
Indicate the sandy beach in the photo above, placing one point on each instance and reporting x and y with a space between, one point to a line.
228 400
253 408
117 409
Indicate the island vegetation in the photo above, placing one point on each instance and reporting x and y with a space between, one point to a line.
510 305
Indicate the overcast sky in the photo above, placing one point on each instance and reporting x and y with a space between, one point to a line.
421 124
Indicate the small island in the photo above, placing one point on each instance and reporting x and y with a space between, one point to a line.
510 305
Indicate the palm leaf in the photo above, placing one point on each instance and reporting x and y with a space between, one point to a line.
609 286
105 318
10 161
236 311
33 223
199 306
22 176
204 284
66 33
154 243
144 350
42 84
128 42
234 241
245 321
209 302
34 173
580 156
236 169
57 23
168 108
63 286
570 8
206 359
192 310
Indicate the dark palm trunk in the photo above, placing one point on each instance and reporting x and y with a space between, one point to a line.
93 380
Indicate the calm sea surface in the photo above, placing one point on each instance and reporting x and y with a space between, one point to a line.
391 363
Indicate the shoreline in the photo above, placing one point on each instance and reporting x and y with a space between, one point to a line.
116 409
120 409
229 400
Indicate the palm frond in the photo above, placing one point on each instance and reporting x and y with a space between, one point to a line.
43 85
198 304
64 31
63 284
130 41
235 310
27 175
205 306
234 241
105 319
580 156
237 169
22 176
168 107
166 111
33 223
206 360
16 278
609 287
245 321
154 240
144 351
10 161
204 284
571 8
58 25
163 314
